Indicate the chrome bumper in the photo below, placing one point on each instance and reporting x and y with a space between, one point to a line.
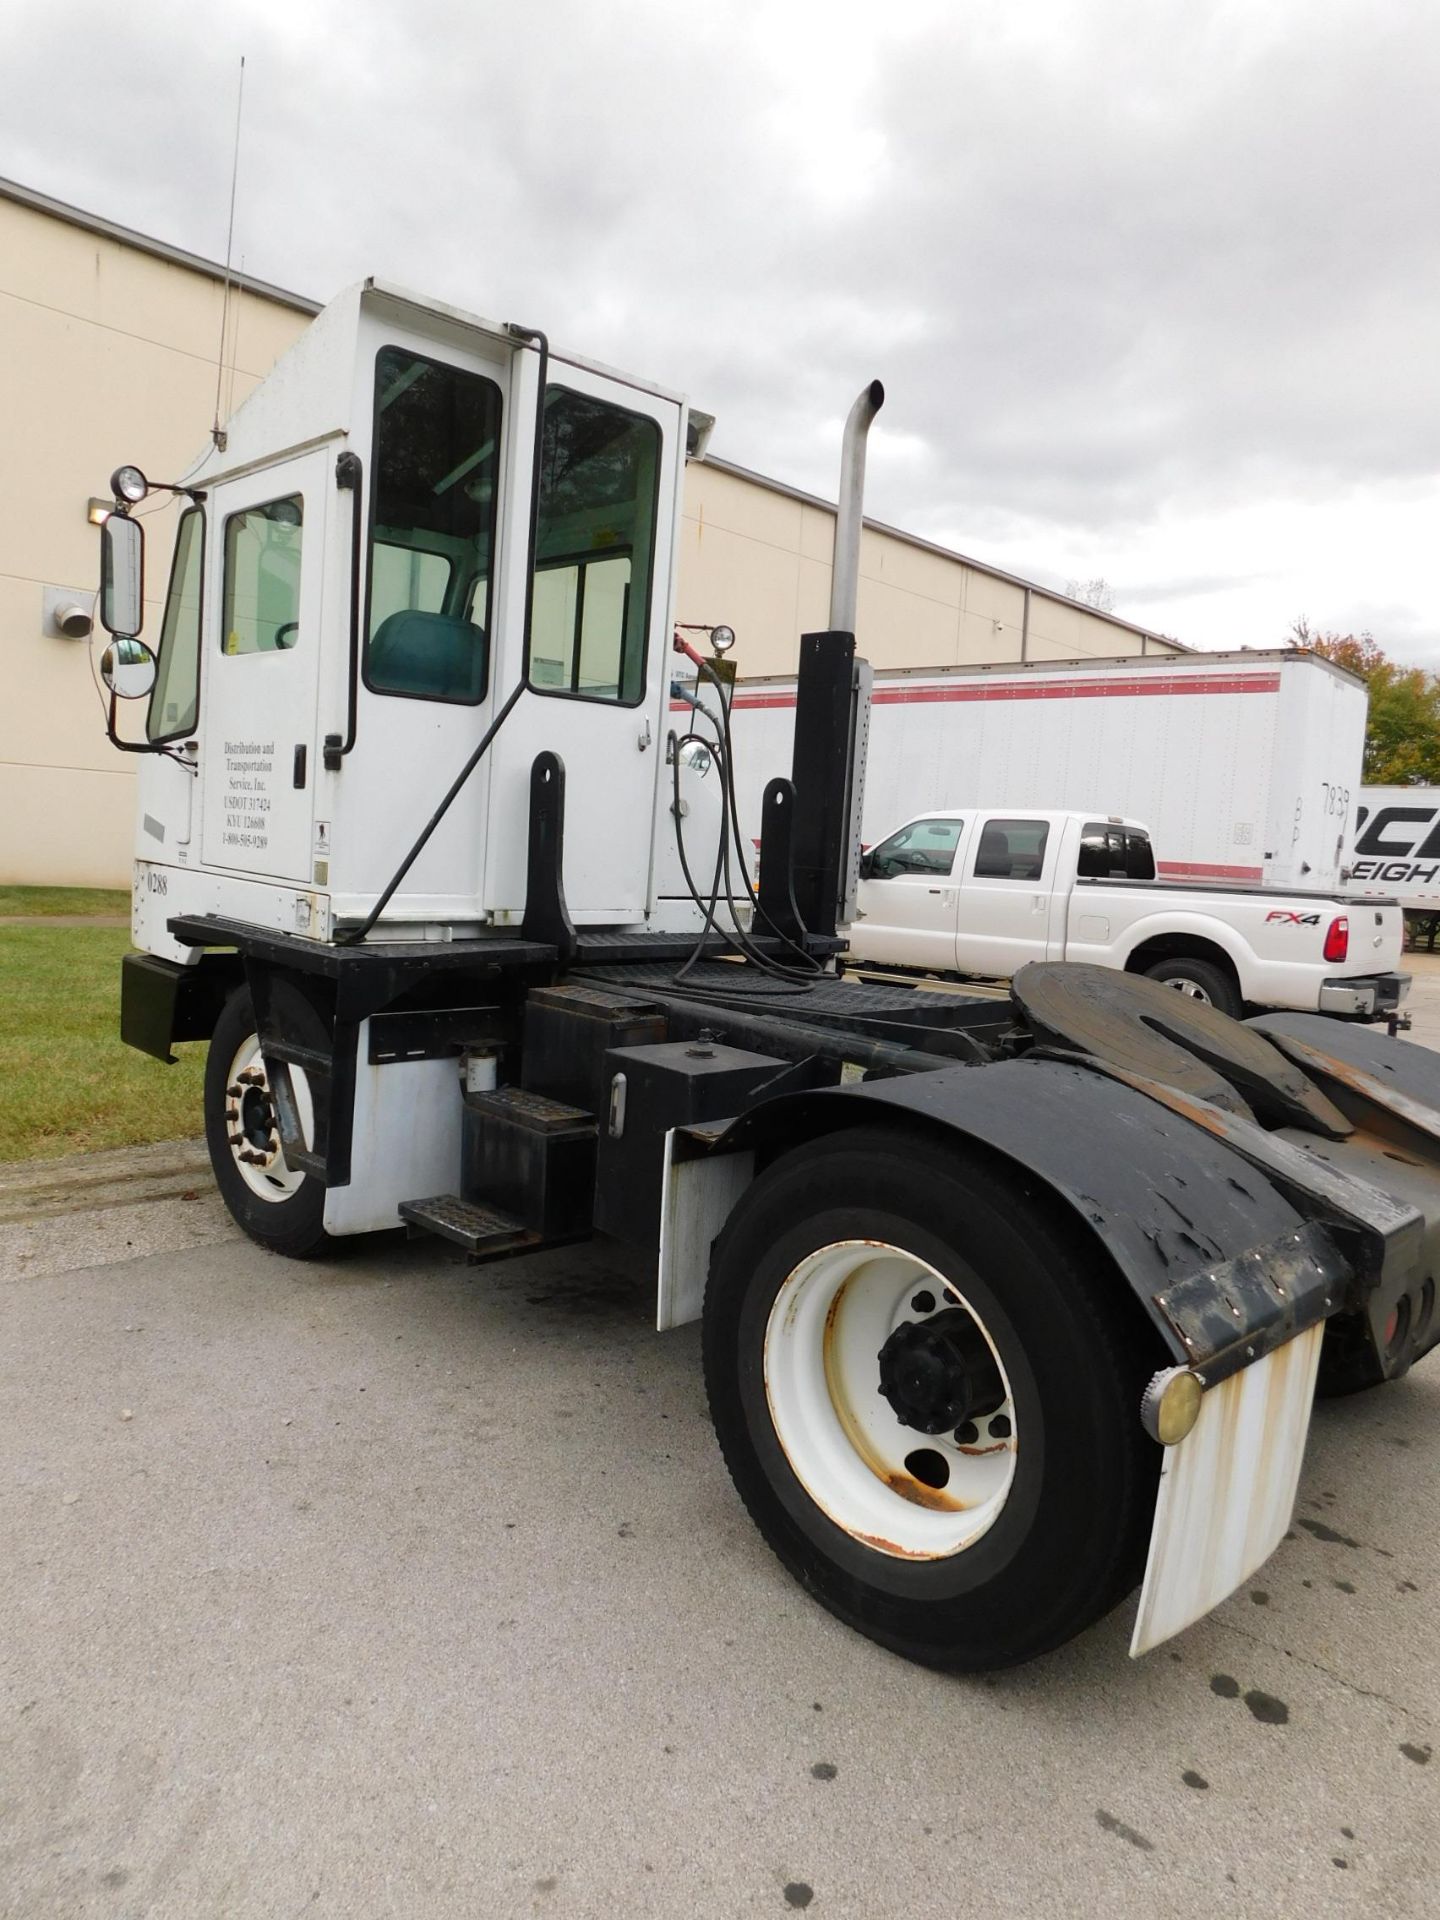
1367 997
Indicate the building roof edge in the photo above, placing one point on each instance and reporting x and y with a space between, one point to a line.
146 243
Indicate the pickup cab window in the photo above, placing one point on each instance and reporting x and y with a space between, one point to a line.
1115 853
1012 850
925 846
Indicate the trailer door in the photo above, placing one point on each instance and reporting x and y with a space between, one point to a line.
1009 876
259 683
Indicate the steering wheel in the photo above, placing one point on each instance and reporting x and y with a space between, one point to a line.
290 626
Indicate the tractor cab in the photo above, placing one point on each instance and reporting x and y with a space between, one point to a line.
419 514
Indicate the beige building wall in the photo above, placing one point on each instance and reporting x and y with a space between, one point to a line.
109 355
108 352
757 556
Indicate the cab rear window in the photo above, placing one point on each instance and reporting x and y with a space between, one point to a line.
1108 852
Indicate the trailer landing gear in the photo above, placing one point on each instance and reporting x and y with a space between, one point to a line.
925 1403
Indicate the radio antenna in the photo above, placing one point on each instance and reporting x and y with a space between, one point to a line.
217 432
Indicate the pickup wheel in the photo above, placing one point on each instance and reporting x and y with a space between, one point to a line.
1200 980
282 1209
928 1399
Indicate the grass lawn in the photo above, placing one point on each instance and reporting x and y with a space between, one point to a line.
68 1083
49 900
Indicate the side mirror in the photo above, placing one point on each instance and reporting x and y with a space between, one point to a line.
122 576
127 667
866 868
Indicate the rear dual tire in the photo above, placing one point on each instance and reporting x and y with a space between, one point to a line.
1049 1542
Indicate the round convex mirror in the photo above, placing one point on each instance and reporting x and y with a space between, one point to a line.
127 667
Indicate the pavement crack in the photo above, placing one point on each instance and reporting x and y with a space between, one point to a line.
1319 1666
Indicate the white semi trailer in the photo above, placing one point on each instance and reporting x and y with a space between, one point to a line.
1394 848
1003 1305
1244 766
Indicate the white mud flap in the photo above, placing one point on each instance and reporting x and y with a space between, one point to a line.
1227 1491
695 1202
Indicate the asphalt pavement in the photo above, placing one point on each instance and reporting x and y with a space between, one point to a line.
384 1587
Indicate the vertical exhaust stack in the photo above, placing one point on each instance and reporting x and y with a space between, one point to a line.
850 517
832 714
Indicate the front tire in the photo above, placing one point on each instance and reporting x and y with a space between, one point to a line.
1200 980
868 1276
281 1209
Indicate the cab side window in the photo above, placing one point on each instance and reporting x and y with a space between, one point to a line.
925 847
1012 850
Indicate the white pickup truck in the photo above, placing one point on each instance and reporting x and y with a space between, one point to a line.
979 892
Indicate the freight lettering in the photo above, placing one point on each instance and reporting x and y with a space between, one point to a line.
1380 836
1396 872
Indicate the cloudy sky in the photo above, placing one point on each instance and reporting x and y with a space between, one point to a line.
1153 285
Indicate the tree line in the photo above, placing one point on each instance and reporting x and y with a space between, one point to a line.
1402 730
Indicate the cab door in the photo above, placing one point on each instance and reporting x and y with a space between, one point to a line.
1009 877
259 680
907 898
599 658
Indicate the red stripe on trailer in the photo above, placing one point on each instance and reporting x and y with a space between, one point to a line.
1150 687
1203 870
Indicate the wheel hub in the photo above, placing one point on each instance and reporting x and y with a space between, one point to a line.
940 1372
257 1117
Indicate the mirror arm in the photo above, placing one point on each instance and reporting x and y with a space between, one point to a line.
130 746
124 509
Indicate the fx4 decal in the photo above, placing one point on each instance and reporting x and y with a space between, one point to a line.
1293 919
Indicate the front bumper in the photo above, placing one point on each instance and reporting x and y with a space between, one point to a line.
1369 996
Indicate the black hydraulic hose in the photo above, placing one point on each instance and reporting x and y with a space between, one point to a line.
693 1009
810 964
797 978
707 907
358 933
754 960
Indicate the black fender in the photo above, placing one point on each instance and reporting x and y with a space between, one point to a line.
1223 1264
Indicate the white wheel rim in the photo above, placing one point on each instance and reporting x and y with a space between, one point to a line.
251 1127
841 1436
